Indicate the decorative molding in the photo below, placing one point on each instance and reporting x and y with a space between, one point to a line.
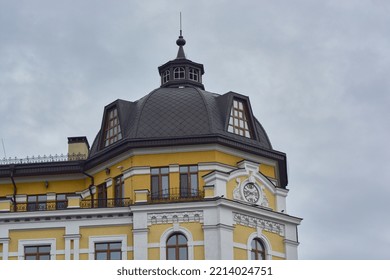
253 222
175 217
258 190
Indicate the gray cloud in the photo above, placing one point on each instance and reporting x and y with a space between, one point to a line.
316 74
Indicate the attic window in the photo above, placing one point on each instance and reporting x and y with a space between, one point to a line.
179 73
165 76
112 129
194 74
238 122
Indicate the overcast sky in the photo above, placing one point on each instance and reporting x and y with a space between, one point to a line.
316 72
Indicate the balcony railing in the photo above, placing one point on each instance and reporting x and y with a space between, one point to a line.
39 206
43 159
175 194
106 203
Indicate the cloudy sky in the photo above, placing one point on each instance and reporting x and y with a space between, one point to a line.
317 74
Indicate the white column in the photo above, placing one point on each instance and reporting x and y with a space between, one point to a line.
68 248
5 242
291 242
140 235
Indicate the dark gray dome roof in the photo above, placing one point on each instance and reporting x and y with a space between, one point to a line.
182 112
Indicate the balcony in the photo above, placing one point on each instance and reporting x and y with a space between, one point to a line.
106 203
175 195
63 205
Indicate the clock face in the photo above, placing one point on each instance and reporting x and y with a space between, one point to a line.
251 193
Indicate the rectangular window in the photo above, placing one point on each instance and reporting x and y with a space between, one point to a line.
118 191
160 183
61 201
37 252
108 251
188 181
238 122
112 129
102 196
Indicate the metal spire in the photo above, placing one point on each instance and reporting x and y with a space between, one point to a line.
180 42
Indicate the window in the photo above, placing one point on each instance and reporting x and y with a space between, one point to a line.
118 191
257 251
238 122
112 129
188 181
194 74
37 252
165 76
108 251
160 182
36 202
177 248
179 73
102 196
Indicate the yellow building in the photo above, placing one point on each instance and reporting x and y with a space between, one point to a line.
182 173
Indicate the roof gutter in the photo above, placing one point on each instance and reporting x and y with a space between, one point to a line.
12 167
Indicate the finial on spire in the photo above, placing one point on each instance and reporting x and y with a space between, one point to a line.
180 42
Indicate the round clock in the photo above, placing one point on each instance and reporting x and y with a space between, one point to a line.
251 193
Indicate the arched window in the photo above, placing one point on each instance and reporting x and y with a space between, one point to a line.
258 250
165 76
177 248
179 73
193 74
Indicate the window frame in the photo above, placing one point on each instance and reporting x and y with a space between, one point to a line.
108 251
166 76
259 249
101 191
162 172
112 131
177 246
179 73
239 121
188 190
118 190
193 74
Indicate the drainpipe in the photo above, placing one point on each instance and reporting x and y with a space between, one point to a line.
12 167
90 186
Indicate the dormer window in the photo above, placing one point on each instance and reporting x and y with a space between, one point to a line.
112 129
194 74
165 77
238 122
179 73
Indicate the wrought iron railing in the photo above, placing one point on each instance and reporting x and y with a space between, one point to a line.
175 194
106 203
39 206
42 159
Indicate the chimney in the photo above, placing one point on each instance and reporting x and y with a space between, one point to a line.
78 148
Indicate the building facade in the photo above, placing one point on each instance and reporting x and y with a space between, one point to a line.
182 173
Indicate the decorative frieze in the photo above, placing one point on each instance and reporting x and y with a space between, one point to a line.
254 222
175 217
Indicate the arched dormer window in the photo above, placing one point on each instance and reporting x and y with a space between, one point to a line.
177 248
257 250
179 73
193 74
165 76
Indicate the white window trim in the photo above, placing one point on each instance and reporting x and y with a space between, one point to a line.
107 238
37 242
176 229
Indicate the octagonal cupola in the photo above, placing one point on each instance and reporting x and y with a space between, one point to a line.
181 72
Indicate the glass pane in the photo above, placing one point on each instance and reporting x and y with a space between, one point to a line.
165 184
61 196
115 246
31 198
29 250
44 249
183 169
164 170
240 106
230 129
171 254
172 240
194 183
253 256
101 256
181 239
154 171
183 253
116 256
101 246
193 169
44 257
